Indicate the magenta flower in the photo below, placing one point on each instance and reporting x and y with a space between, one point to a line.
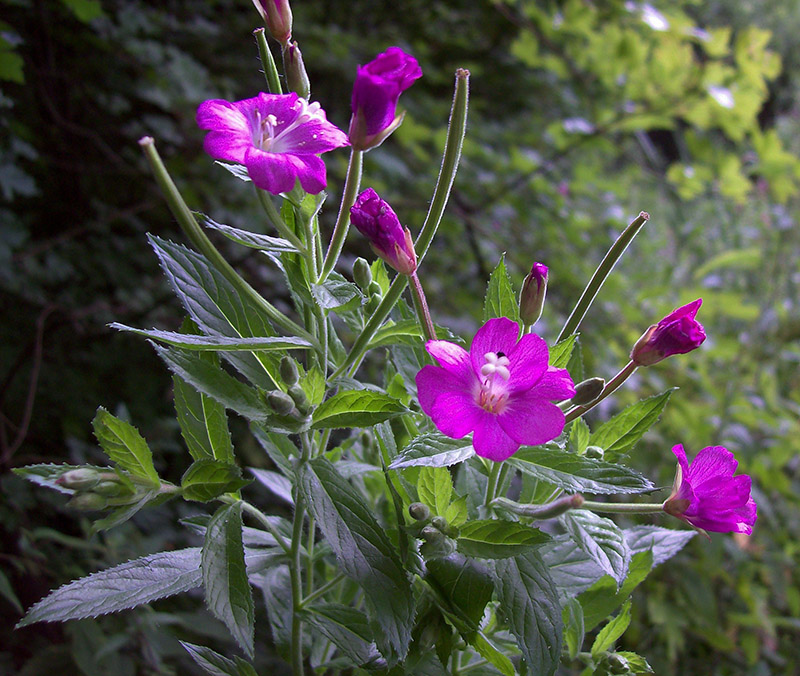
501 390
376 220
678 333
376 90
531 298
276 136
708 496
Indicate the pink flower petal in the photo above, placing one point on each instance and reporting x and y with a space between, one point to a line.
456 414
554 385
490 440
496 335
278 172
527 362
688 310
453 359
710 463
433 381
530 420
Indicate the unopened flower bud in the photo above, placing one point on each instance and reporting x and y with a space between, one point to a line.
298 396
594 452
280 402
587 391
374 289
377 221
678 333
419 511
79 479
431 534
87 502
440 523
531 298
288 370
617 664
296 76
362 274
111 489
277 15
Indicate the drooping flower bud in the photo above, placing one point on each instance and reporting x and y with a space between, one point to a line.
678 333
296 76
376 220
376 90
277 15
531 298
288 370
587 391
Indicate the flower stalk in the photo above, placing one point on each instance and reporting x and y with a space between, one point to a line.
624 507
351 185
421 305
611 386
268 62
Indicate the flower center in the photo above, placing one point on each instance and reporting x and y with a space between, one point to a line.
494 393
270 133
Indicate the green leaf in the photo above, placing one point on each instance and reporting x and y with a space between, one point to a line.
620 434
530 602
575 473
494 539
125 446
603 598
336 293
253 240
12 65
663 543
279 448
491 654
572 616
47 474
464 585
356 408
215 383
85 10
207 479
601 539
276 483
434 488
203 422
579 436
276 587
609 634
228 595
8 593
347 628
456 512
122 514
404 332
433 450
363 552
215 664
735 259
500 300
561 352
313 384
188 341
125 586
636 663
572 569
219 309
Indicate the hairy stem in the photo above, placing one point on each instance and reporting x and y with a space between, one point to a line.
610 387
421 305
624 507
267 62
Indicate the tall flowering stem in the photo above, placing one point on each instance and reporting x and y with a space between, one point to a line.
267 62
422 308
447 174
600 275
610 387
351 185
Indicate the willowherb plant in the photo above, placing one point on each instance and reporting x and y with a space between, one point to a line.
445 527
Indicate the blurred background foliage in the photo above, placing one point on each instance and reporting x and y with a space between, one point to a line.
582 113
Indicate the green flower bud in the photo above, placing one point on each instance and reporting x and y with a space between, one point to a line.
431 534
594 452
374 289
87 502
587 391
440 523
362 274
79 479
617 664
419 511
288 370
280 402
296 76
111 489
532 295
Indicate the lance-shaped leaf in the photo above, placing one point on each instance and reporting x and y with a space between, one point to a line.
336 293
601 539
433 450
228 594
664 543
48 474
572 569
620 434
404 332
207 479
125 586
363 553
203 422
347 628
253 240
561 352
434 488
125 446
500 300
578 474
276 586
465 587
215 664
609 634
495 539
356 408
201 343
530 602
275 483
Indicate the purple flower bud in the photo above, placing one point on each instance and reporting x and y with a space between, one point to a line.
531 298
678 333
295 69
376 220
377 87
277 15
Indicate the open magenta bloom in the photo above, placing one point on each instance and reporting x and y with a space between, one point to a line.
708 496
376 220
501 390
276 136
678 333
376 90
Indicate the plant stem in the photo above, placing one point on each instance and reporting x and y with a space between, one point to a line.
324 589
310 555
610 386
267 62
279 224
600 275
263 519
351 185
296 566
421 305
491 486
624 507
199 239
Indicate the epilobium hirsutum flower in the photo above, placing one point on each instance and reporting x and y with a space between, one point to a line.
277 15
276 136
501 390
376 90
531 298
678 333
376 220
708 496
